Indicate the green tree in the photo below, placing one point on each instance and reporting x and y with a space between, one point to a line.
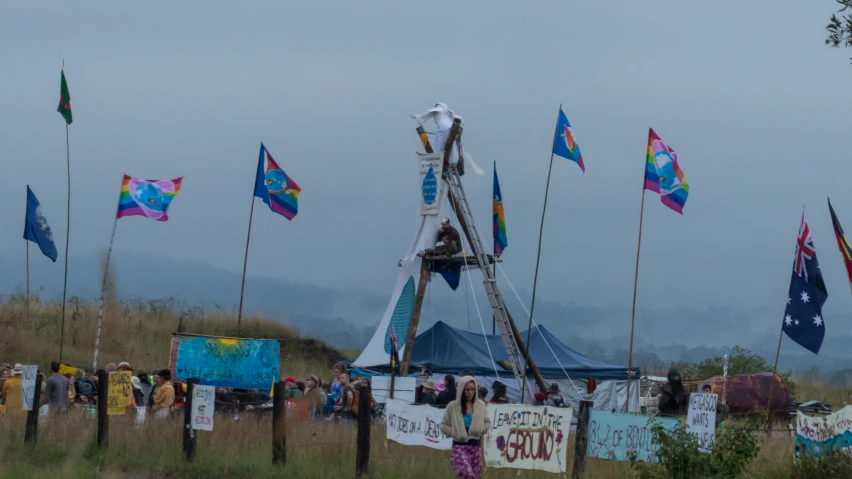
740 361
840 29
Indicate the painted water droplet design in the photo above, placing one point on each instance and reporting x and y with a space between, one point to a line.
430 187
401 316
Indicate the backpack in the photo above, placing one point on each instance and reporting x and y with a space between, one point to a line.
85 388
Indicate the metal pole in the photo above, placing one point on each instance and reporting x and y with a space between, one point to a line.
103 292
67 237
633 312
245 264
540 234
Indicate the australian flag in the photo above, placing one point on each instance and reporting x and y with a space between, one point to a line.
803 320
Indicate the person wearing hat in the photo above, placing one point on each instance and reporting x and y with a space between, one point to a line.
291 391
448 395
429 395
554 396
12 392
314 395
500 395
539 399
450 238
673 398
164 396
124 366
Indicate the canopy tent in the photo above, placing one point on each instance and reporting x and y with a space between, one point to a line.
446 349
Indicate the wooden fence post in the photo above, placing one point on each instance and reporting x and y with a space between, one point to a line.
103 419
362 456
188 431
279 424
31 432
581 442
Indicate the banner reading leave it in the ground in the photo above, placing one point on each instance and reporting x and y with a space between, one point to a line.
415 425
528 437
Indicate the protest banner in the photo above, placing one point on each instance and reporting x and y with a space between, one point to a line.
203 407
28 386
431 169
619 437
415 425
818 435
523 436
227 362
118 393
403 388
65 369
701 419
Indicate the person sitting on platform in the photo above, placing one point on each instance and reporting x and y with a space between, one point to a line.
450 238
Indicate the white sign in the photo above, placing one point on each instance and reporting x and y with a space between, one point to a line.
28 386
431 170
416 425
701 419
403 388
528 437
203 405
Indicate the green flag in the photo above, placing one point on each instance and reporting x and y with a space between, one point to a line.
64 108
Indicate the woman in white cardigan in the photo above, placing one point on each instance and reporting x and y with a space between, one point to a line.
466 421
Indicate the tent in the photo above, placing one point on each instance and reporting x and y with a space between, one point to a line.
446 349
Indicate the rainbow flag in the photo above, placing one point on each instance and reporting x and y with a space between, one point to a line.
663 174
149 198
499 216
275 187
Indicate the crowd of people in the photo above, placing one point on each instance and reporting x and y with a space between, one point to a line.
69 391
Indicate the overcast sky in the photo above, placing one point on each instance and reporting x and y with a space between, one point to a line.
754 103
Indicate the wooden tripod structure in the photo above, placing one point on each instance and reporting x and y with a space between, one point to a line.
511 335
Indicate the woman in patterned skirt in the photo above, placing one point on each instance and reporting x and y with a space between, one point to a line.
466 421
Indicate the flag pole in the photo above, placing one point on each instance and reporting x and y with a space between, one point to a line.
67 236
245 262
540 233
103 287
27 316
633 312
774 373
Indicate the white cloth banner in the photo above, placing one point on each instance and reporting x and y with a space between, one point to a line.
822 435
203 407
416 425
431 170
28 386
701 419
528 437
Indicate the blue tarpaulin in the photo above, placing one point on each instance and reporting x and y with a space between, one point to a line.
446 349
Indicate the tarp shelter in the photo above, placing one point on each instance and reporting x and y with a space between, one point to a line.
446 349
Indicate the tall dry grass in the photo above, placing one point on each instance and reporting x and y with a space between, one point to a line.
138 332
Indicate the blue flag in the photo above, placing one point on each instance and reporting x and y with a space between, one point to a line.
803 321
36 228
564 143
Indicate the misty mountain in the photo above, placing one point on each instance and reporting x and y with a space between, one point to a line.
347 318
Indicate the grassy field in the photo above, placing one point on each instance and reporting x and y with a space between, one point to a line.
139 332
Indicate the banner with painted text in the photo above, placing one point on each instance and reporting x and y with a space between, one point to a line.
228 362
28 386
817 435
701 419
416 425
619 436
528 437
118 393
431 169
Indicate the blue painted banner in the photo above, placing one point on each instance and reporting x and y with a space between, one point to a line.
619 436
228 362
820 435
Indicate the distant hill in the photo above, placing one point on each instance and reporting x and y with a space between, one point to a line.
347 318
